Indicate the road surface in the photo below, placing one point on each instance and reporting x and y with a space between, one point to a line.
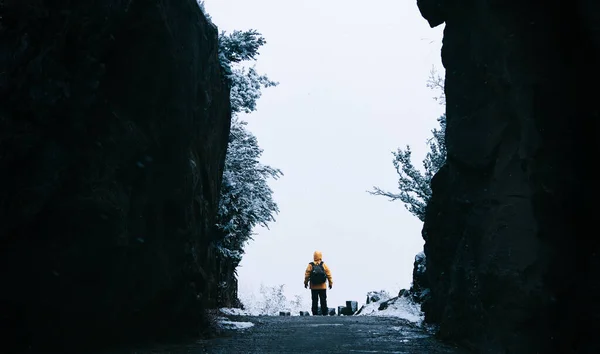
324 334
313 334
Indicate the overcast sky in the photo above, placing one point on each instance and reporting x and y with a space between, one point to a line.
352 89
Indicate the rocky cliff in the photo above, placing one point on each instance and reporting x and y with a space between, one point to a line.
511 230
113 132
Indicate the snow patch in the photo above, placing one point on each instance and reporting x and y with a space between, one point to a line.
224 323
234 312
398 307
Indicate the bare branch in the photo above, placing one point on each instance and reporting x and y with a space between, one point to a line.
379 191
437 83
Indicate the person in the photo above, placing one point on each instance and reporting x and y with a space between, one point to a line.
317 273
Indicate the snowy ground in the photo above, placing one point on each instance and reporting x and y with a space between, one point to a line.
399 307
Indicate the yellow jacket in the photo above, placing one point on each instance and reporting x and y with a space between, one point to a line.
318 258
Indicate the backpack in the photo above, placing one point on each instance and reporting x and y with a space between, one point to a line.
317 274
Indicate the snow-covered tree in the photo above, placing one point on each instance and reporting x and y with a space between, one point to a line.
414 185
203 9
246 83
246 198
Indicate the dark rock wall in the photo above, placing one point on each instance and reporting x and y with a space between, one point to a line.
511 231
114 125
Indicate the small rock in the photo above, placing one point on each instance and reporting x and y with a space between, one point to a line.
304 313
341 310
284 313
352 306
331 311
384 305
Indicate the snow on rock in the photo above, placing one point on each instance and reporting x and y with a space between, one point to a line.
399 307
421 262
234 312
375 296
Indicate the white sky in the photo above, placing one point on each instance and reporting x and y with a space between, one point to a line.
352 89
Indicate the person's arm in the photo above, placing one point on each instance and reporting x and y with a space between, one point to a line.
307 274
328 274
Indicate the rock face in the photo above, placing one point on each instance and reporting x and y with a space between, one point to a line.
113 134
510 232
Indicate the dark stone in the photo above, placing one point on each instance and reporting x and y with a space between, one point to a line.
341 310
304 313
419 290
352 306
114 127
360 310
434 11
385 304
284 313
512 259
347 311
331 311
404 293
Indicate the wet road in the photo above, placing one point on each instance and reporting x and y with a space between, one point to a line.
331 334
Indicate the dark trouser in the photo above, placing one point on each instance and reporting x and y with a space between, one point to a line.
316 295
